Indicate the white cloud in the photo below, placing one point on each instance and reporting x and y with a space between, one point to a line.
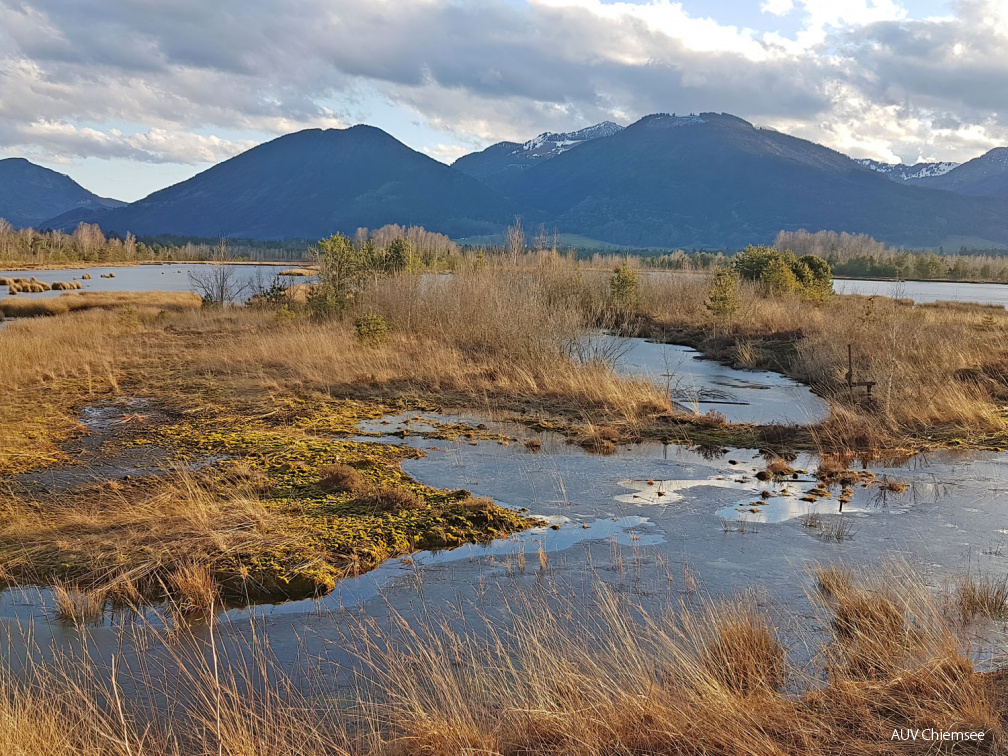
155 81
777 7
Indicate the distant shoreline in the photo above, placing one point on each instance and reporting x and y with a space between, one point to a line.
918 280
83 265
86 265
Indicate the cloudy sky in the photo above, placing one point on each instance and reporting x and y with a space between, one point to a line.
128 96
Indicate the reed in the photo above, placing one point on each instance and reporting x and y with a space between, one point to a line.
593 676
71 301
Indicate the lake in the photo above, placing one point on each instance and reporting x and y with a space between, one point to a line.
175 277
926 291
155 277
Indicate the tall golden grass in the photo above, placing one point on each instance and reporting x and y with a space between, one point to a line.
498 337
131 542
600 677
19 307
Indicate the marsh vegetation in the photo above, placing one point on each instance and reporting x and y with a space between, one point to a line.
267 488
697 675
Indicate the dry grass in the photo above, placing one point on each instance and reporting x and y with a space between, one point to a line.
193 589
605 677
340 478
501 339
743 653
936 368
383 498
779 468
161 537
49 367
78 605
98 300
892 485
466 341
981 595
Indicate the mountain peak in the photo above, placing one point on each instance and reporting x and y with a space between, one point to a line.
315 182
562 142
505 157
31 194
670 120
985 176
997 156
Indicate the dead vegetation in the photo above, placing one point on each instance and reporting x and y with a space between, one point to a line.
476 340
981 595
497 337
78 605
156 538
171 301
596 676
340 478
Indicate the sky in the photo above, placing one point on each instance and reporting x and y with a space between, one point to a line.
129 96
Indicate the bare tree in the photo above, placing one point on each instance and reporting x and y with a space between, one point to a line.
218 282
515 240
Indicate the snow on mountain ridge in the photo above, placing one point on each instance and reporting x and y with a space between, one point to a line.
900 172
551 143
671 121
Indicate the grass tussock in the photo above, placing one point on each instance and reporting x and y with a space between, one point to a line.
385 498
78 605
194 590
742 652
981 595
340 478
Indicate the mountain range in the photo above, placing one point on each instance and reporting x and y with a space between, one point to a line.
310 184
30 195
698 181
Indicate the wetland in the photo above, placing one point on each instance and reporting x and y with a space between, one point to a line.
455 511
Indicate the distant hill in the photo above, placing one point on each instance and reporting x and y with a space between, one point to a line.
985 176
312 183
31 194
507 157
901 172
716 181
700 181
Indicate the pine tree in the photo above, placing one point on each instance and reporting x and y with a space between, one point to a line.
723 295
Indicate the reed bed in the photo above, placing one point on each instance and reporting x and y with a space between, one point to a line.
499 337
130 543
597 676
175 301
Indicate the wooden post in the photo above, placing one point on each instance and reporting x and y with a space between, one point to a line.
850 373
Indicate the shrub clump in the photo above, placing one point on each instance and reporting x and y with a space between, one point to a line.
371 329
624 286
782 272
723 294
